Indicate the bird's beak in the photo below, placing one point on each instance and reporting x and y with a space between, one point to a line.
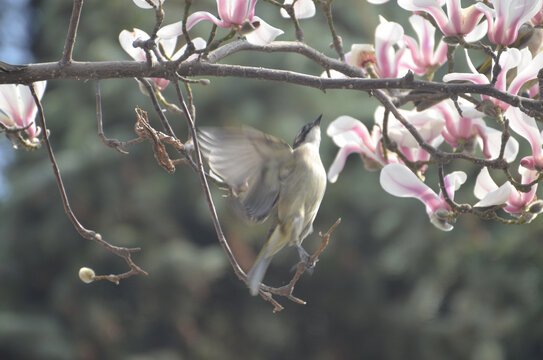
318 121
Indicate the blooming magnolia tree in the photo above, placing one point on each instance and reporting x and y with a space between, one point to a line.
423 122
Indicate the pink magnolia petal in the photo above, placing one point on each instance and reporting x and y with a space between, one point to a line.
264 34
387 34
17 105
453 181
347 123
29 104
233 11
303 9
526 127
398 180
339 162
528 70
506 18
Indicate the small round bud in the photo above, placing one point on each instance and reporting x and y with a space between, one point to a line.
204 82
86 275
536 207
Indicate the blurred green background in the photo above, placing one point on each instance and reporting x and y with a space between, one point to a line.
389 286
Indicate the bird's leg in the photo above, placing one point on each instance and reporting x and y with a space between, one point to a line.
305 258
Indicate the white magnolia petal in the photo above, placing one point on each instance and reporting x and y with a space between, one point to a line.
477 33
264 34
494 142
453 181
343 123
334 74
347 138
339 162
144 5
168 45
171 30
526 127
484 184
9 99
127 38
199 44
496 197
303 9
398 180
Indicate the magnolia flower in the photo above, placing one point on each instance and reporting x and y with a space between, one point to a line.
516 202
526 127
423 56
527 69
387 35
303 9
468 129
506 18
234 14
398 180
352 136
456 21
127 38
386 56
18 108
360 55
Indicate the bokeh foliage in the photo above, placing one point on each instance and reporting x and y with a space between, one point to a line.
390 286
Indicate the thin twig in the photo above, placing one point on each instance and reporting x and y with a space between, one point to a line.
125 253
72 32
337 43
112 143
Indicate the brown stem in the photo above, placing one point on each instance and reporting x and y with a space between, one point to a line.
112 143
72 32
125 253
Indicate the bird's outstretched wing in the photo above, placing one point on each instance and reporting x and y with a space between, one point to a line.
249 161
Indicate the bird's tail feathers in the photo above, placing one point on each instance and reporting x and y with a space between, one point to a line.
275 242
257 272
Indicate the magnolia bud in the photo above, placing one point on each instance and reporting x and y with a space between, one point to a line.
86 275
536 207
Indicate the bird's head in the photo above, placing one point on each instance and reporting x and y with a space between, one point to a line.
309 133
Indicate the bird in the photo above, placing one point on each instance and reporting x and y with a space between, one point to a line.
269 178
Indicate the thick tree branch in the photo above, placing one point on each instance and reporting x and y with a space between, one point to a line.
128 69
